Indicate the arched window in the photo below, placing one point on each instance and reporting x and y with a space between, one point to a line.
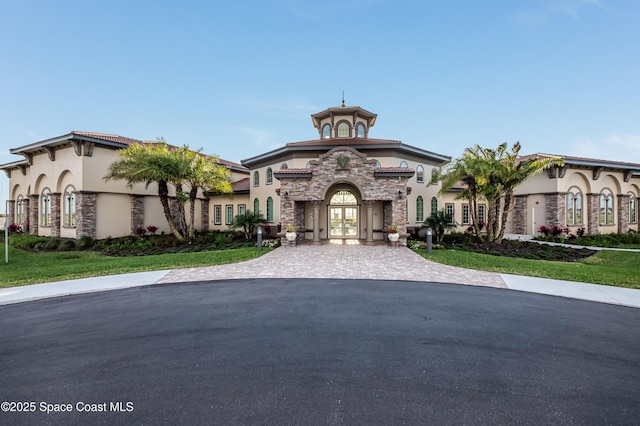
633 208
69 208
403 164
256 178
574 207
45 207
420 174
308 164
256 206
360 131
269 209
419 209
343 198
20 210
344 131
269 176
606 208
378 165
326 131
284 166
434 205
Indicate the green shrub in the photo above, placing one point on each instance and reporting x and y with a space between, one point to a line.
67 245
85 243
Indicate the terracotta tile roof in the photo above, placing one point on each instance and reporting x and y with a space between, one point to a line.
569 159
109 137
394 170
243 185
344 142
294 172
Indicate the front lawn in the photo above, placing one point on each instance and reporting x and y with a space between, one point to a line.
613 268
26 267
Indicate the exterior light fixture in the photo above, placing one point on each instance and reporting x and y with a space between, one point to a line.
286 194
399 194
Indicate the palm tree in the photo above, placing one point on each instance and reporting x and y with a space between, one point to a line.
148 163
206 173
491 175
164 165
248 222
440 222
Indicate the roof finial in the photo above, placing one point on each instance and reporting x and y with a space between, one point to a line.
343 99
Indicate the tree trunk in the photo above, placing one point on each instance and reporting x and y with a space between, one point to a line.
192 210
163 193
183 219
508 199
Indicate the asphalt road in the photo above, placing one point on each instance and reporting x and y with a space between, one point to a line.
319 352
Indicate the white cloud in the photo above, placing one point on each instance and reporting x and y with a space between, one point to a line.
624 148
573 7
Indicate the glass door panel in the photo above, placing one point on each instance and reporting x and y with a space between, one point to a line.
335 228
350 222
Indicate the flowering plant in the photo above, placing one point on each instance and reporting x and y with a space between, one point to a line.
393 229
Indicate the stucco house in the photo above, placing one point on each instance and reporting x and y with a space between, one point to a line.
341 185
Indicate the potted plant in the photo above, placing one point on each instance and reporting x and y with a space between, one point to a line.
392 233
291 233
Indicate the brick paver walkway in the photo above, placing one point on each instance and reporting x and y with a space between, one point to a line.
340 261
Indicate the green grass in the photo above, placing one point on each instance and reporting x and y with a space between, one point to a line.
30 268
614 268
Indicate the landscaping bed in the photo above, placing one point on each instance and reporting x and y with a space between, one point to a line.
513 248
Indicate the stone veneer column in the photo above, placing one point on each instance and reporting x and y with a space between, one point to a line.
556 208
520 215
33 218
593 214
25 215
137 213
369 204
299 217
316 221
623 213
11 213
204 214
55 214
86 214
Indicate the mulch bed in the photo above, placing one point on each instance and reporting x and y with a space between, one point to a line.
520 249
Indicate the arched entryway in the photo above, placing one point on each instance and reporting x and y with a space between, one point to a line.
343 215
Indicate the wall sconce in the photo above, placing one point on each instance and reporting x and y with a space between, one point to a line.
399 194
286 194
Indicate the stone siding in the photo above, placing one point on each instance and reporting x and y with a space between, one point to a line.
11 213
593 214
34 209
623 213
137 213
86 214
520 215
204 214
556 209
55 214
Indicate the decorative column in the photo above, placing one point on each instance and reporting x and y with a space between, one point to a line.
520 215
593 212
33 214
204 214
86 214
623 213
556 208
137 213
25 215
316 221
11 212
369 204
55 214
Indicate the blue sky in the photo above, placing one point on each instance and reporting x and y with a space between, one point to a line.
238 78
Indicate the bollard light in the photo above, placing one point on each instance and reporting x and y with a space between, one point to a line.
429 240
259 238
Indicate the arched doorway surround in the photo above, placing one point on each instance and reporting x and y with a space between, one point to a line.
343 215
